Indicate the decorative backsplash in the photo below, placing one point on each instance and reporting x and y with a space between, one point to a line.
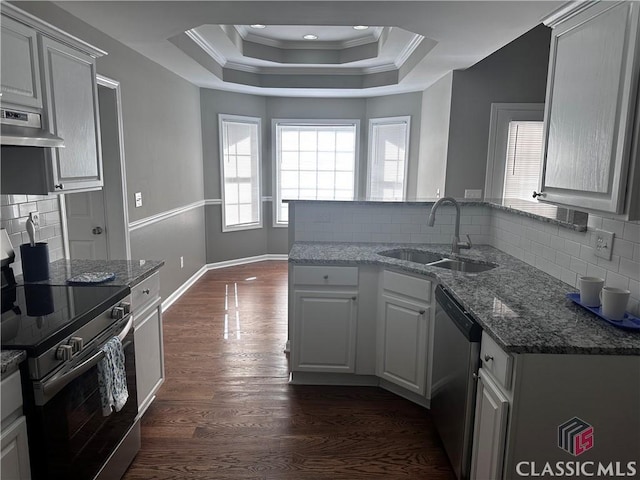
14 212
561 252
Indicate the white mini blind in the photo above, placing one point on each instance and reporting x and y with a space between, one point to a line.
524 162
388 159
314 162
240 162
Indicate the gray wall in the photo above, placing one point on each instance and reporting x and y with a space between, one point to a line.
434 138
515 73
163 150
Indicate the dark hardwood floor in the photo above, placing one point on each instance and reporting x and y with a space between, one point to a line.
226 411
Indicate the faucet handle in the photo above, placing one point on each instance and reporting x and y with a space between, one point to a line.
469 241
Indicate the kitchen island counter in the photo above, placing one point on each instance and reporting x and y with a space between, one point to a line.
521 307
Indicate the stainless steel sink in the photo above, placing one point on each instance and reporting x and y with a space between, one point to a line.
437 260
466 266
413 255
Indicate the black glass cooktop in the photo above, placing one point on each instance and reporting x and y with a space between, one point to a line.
36 317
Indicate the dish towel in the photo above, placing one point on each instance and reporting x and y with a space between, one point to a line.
112 377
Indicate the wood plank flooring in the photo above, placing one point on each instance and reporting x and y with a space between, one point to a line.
226 411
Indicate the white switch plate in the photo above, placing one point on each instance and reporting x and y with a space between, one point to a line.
602 243
138 197
472 193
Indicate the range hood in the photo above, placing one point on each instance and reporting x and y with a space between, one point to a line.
24 129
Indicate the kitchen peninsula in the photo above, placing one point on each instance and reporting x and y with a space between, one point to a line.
544 360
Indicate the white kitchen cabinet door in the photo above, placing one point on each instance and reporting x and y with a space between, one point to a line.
20 81
15 451
489 431
149 357
591 102
71 95
325 331
403 329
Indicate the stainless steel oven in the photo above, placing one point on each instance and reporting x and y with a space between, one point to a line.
69 436
63 329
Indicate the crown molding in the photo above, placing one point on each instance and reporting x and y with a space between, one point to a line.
206 46
406 52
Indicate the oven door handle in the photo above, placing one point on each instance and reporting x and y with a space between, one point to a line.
51 387
125 330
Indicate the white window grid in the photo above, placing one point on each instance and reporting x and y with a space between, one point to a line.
388 158
315 160
240 172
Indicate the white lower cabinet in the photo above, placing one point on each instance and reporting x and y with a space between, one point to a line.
402 343
325 331
149 357
14 446
492 408
15 451
147 312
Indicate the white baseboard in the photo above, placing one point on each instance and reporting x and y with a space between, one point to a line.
171 299
244 261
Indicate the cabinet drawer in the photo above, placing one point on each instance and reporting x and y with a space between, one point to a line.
145 293
496 360
320 275
11 395
408 286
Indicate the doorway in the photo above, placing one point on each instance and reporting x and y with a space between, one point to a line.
97 222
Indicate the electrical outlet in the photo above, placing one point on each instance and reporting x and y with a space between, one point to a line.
138 197
602 243
181 262
472 193
35 218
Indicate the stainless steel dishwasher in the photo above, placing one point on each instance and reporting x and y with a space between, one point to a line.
456 359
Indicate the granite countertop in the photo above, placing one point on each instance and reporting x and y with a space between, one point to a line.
128 272
10 361
521 307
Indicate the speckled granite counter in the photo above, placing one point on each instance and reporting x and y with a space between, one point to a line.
521 307
10 361
128 272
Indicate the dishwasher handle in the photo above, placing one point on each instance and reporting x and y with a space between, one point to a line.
460 317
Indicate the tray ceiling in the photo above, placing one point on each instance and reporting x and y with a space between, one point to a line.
407 47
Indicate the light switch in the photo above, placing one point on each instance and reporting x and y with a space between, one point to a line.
138 196
602 243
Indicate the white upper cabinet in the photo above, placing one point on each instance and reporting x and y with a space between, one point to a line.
71 96
592 88
48 72
20 81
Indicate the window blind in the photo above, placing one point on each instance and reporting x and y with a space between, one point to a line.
387 159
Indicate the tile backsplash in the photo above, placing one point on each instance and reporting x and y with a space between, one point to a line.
561 252
14 212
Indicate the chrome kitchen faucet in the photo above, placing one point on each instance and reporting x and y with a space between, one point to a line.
456 244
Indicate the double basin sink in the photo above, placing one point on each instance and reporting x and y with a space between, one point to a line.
433 259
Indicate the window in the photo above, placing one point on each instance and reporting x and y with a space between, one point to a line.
388 153
514 161
240 172
315 160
